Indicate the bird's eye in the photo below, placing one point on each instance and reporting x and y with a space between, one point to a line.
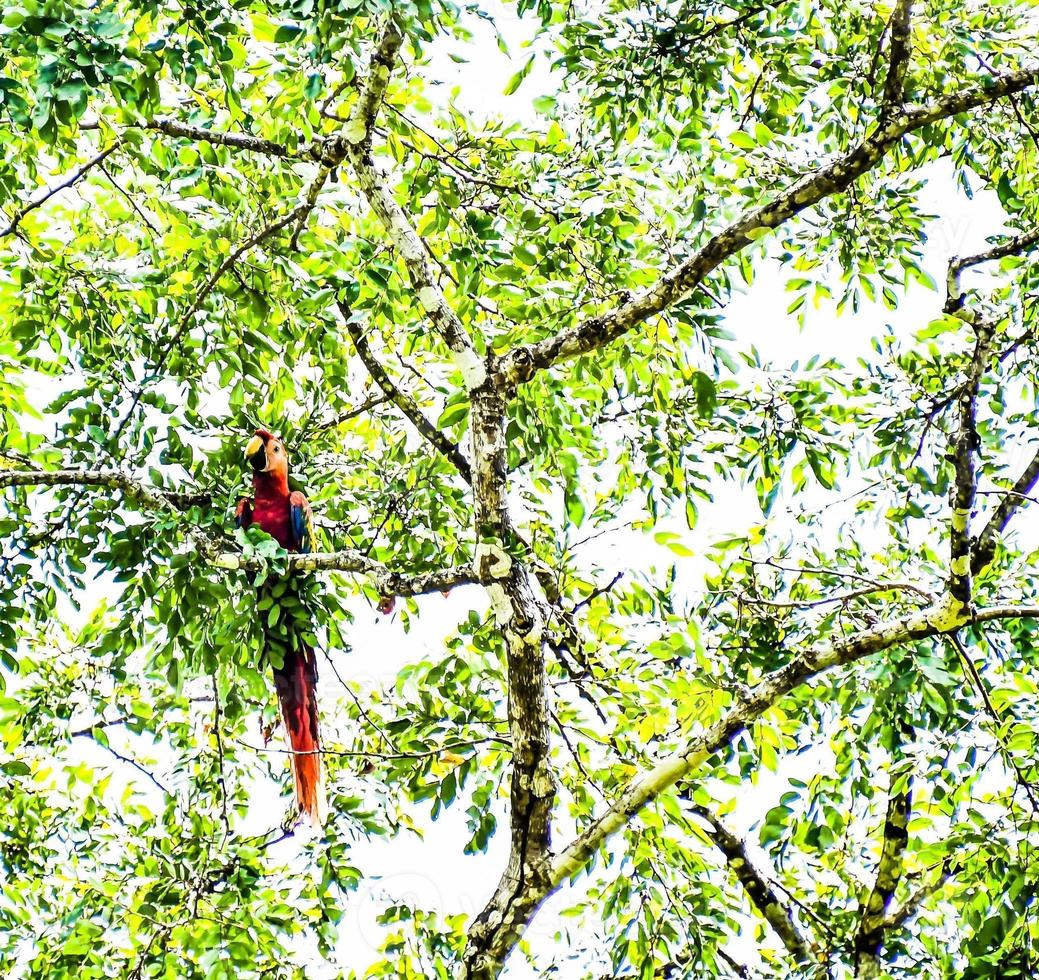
277 449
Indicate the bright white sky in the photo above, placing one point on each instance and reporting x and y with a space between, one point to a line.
432 872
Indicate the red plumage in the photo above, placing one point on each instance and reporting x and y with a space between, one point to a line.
286 516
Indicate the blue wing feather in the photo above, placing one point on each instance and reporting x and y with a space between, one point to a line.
302 522
243 513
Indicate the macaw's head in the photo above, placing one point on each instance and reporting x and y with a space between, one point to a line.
266 454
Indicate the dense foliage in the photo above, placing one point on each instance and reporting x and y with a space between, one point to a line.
209 223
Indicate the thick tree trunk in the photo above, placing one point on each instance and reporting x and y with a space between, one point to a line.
521 614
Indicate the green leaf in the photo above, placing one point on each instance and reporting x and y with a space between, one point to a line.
453 414
517 79
287 32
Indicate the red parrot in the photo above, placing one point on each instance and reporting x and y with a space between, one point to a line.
286 516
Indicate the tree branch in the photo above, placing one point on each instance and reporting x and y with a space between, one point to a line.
269 229
985 543
47 195
310 201
235 141
969 556
900 52
974 678
758 886
388 581
366 406
380 67
128 760
963 493
153 498
356 146
354 143
898 915
522 617
188 318
841 597
1014 246
522 363
90 731
407 405
362 119
870 934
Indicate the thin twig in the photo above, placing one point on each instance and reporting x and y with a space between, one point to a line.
361 710
407 405
217 723
1012 246
68 182
352 413
985 544
136 765
976 681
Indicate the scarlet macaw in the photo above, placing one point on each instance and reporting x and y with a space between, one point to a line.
286 516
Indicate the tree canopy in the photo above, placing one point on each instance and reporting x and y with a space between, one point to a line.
489 342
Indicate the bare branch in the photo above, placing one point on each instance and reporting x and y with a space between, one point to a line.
522 363
310 201
1013 246
992 613
985 543
129 200
870 934
838 597
386 580
758 885
901 913
380 67
598 591
407 405
365 406
234 141
91 733
67 182
356 146
218 722
322 149
153 498
522 617
261 843
440 750
409 246
899 53
269 229
91 730
963 493
738 969
838 573
969 556
976 681
213 550
359 128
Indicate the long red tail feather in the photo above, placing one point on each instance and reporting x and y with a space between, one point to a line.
296 684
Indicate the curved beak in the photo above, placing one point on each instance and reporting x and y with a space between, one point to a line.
256 453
